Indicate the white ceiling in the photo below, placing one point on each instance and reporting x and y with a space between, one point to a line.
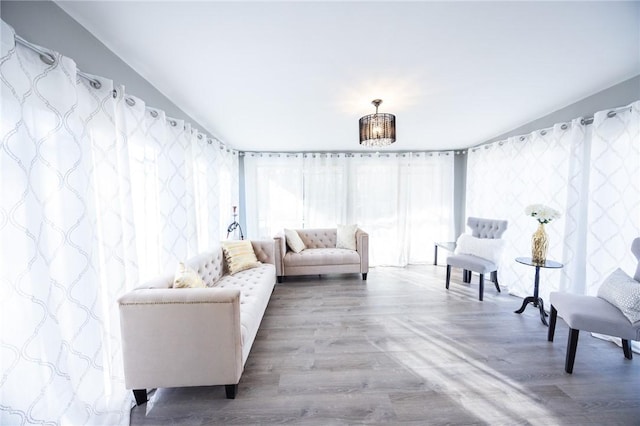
296 76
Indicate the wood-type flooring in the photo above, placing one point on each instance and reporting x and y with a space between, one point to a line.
400 349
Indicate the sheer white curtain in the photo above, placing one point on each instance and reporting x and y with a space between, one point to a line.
326 184
404 201
97 193
588 172
273 193
613 219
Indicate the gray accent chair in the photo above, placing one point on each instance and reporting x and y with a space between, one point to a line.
480 228
595 315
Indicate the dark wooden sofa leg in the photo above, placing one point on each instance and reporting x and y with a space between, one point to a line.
552 324
626 348
494 278
572 344
231 390
364 276
448 276
280 279
140 395
481 290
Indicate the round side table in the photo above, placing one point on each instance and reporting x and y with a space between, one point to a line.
535 299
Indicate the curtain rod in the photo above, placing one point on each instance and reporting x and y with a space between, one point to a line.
49 59
584 121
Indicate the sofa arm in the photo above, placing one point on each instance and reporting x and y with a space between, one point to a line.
265 251
362 247
181 337
280 251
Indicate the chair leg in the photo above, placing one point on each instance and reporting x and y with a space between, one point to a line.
552 324
572 345
140 395
626 348
448 276
494 278
481 290
465 276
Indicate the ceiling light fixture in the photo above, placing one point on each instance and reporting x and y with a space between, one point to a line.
377 129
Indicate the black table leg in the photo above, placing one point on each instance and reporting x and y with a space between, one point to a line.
536 283
435 255
538 303
526 300
543 314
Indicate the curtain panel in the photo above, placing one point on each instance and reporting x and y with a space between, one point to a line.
403 200
590 173
97 194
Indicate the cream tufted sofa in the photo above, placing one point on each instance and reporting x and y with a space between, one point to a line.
321 255
196 336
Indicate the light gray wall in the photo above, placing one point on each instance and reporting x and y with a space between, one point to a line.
619 95
459 191
44 23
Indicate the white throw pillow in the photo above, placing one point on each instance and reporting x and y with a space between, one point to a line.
294 241
346 237
187 278
623 292
486 248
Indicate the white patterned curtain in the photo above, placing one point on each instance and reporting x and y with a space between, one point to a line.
404 201
591 173
97 194
273 193
613 219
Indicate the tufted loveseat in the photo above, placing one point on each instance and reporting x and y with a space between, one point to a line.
321 255
197 336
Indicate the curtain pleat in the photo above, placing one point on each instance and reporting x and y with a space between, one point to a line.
98 195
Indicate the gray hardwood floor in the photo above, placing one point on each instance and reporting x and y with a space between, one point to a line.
400 349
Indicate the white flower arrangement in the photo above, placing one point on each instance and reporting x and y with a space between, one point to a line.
542 213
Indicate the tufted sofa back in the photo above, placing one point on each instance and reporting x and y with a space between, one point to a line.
319 238
209 265
487 228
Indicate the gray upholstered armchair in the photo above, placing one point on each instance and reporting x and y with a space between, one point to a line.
477 256
597 315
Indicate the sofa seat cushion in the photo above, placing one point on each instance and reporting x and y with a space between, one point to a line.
322 256
256 286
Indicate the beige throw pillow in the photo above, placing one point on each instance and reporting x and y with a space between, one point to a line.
294 241
187 278
239 256
346 237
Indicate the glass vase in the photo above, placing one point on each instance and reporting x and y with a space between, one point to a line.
539 245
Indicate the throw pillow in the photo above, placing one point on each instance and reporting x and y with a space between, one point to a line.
294 241
187 278
623 292
346 237
239 256
486 248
